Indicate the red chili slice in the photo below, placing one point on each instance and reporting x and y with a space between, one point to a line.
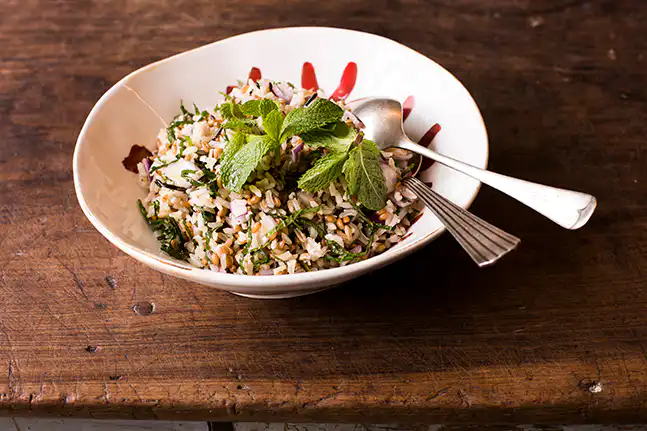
309 77
347 83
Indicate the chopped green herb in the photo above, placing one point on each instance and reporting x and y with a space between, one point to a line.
186 175
187 118
184 110
164 164
187 229
214 189
286 221
340 254
208 216
168 232
365 219
248 245
202 114
262 260
408 169
169 186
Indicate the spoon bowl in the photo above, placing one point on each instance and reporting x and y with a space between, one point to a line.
382 120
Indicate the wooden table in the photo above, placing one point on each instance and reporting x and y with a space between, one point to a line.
562 88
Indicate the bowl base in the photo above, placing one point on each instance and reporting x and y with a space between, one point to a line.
287 295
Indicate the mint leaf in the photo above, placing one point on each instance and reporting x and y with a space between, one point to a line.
251 107
258 108
237 170
235 143
329 167
364 175
272 123
235 119
317 115
230 110
338 140
326 170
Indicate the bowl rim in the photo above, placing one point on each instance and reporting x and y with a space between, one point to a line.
227 280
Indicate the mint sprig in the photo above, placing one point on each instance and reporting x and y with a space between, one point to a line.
359 164
241 160
243 154
319 126
320 113
338 141
364 175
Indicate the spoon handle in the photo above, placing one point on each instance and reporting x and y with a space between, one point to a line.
483 242
567 208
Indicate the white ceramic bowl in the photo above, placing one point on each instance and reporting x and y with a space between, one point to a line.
125 116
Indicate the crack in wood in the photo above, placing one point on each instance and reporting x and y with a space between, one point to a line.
320 400
77 280
13 390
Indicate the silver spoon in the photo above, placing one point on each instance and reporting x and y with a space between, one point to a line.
382 119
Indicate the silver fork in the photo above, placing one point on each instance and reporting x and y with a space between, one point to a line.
483 242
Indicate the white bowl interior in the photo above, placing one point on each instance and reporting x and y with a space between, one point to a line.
128 114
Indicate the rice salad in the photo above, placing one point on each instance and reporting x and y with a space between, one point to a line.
274 180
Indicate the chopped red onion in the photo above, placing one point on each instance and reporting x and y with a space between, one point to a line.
147 165
266 272
296 150
356 249
282 91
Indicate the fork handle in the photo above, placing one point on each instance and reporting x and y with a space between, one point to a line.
483 242
567 208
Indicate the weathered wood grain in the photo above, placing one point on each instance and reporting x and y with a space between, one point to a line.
562 88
